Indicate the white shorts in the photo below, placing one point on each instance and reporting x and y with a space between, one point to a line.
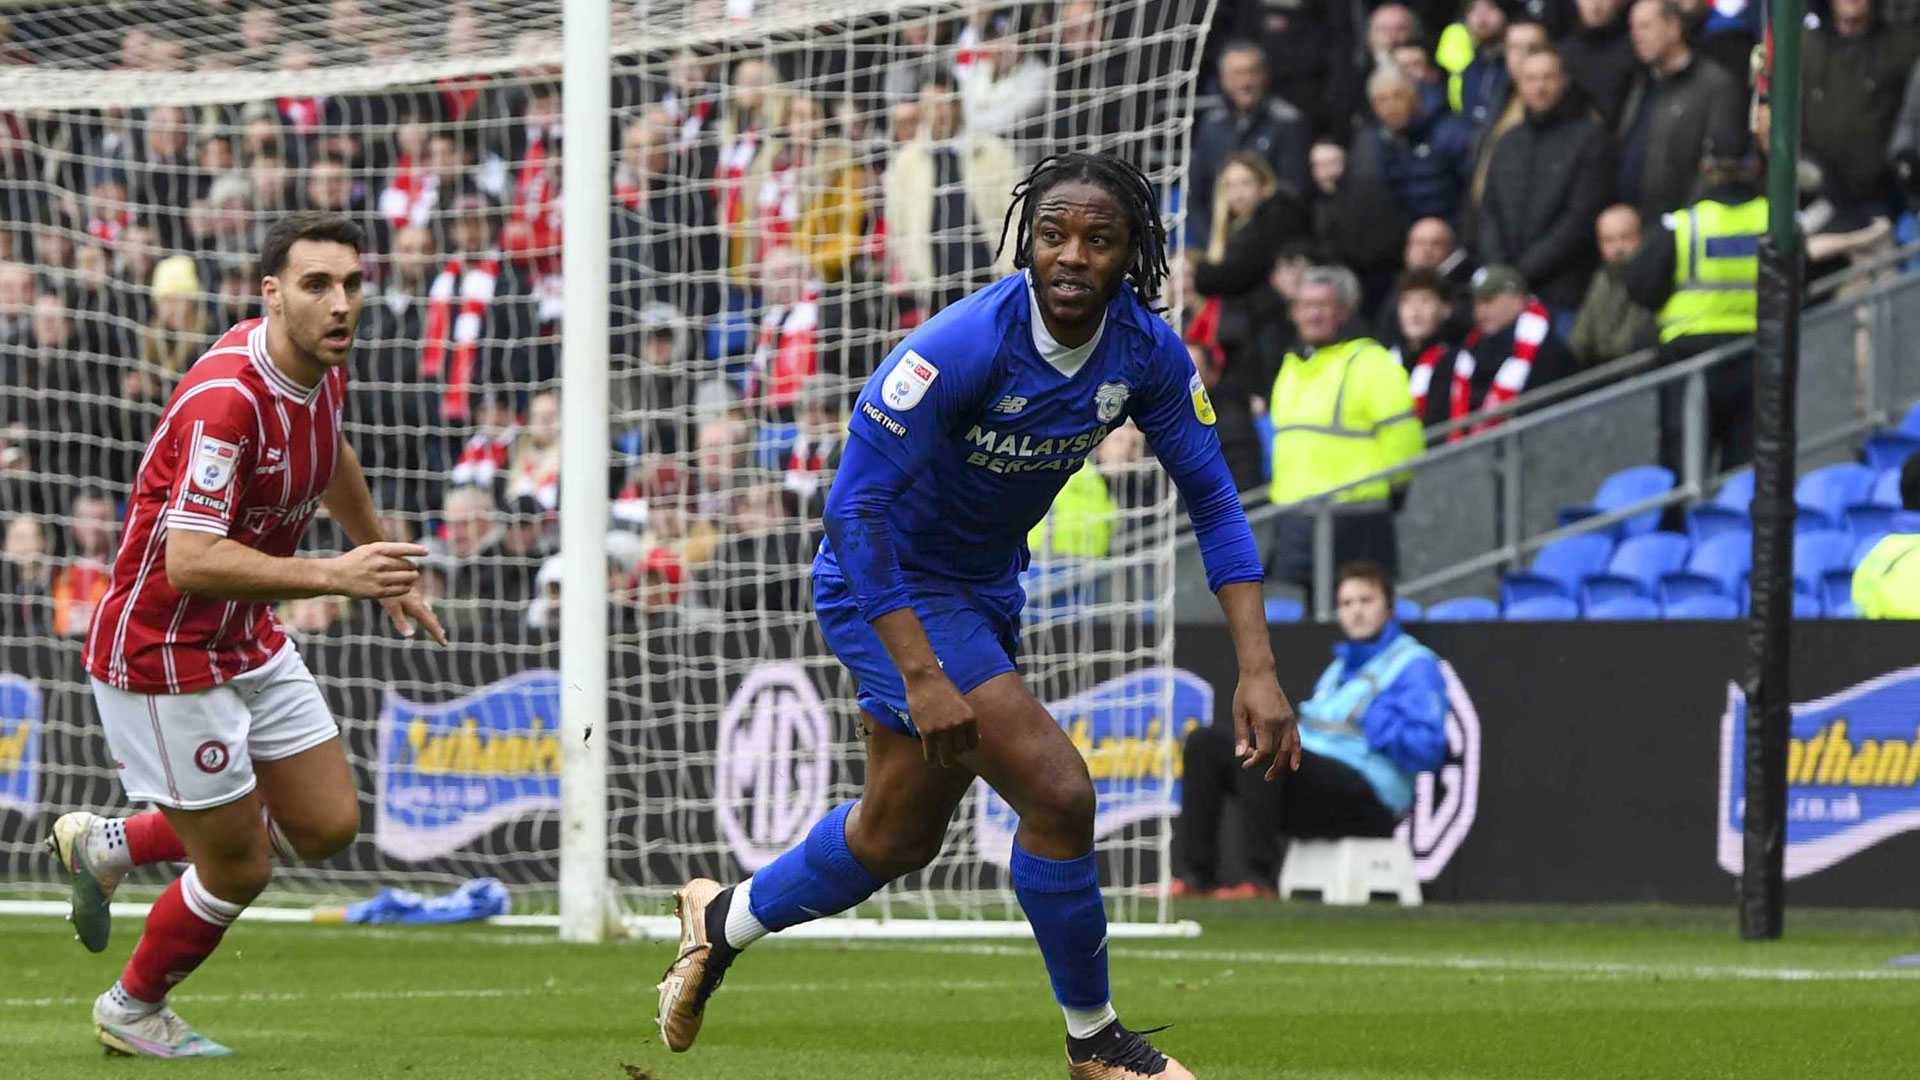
195 751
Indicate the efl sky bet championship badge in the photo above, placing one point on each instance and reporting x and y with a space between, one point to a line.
213 464
909 381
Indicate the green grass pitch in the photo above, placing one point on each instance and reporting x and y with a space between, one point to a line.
1269 991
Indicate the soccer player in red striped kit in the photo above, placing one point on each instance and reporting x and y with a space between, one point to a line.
208 709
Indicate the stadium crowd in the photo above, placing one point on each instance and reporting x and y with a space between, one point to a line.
1464 183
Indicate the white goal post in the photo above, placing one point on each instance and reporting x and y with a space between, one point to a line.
617 444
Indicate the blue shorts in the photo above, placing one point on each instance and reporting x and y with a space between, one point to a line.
974 630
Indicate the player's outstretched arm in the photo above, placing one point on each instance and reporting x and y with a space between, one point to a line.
350 502
1178 421
203 564
1264 728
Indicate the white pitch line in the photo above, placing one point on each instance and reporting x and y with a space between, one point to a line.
1571 968
543 990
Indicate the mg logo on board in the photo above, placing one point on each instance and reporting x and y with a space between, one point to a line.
1445 800
774 761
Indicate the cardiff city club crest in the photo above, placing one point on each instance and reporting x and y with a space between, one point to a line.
1109 400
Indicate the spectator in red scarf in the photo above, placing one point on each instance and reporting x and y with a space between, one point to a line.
1423 336
747 149
1511 349
457 308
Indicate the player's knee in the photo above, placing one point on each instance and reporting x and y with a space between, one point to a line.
1064 805
325 836
900 852
237 878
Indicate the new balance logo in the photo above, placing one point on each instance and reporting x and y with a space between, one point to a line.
1010 404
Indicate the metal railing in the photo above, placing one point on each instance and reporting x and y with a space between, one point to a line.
1869 322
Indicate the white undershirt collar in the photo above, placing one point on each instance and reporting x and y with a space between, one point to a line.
1064 360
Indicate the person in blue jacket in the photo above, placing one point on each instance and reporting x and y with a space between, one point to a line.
1377 719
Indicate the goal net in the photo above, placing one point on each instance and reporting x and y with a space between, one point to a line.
795 184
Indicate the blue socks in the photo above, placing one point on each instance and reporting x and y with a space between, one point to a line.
817 878
1062 900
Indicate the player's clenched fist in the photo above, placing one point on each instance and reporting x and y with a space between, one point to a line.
943 717
376 571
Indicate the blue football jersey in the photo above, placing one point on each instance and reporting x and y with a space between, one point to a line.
990 430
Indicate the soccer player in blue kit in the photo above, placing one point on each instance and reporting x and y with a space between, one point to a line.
960 442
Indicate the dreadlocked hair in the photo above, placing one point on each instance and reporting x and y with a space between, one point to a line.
1119 178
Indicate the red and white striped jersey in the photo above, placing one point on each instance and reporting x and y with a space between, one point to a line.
244 452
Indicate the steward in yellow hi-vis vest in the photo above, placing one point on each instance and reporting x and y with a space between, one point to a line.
1716 269
1341 411
1886 584
1698 270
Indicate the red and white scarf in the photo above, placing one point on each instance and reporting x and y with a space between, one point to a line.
460 95
301 114
475 288
1528 332
411 197
483 458
784 355
536 204
735 159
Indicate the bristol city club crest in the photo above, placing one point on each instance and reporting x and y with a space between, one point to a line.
1110 400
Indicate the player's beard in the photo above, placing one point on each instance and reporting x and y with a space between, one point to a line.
326 354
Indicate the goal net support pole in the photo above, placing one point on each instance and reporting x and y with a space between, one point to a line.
585 509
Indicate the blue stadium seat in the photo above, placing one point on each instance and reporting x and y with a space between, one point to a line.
1636 567
1542 609
1836 590
1886 490
1829 491
1558 569
1718 567
1816 553
1889 450
1702 607
1623 608
1708 520
1869 521
1861 547
1910 423
1281 610
1624 488
1736 491
1407 611
1464 609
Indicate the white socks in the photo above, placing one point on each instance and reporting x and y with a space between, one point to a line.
205 906
742 928
124 1007
1086 1023
107 846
